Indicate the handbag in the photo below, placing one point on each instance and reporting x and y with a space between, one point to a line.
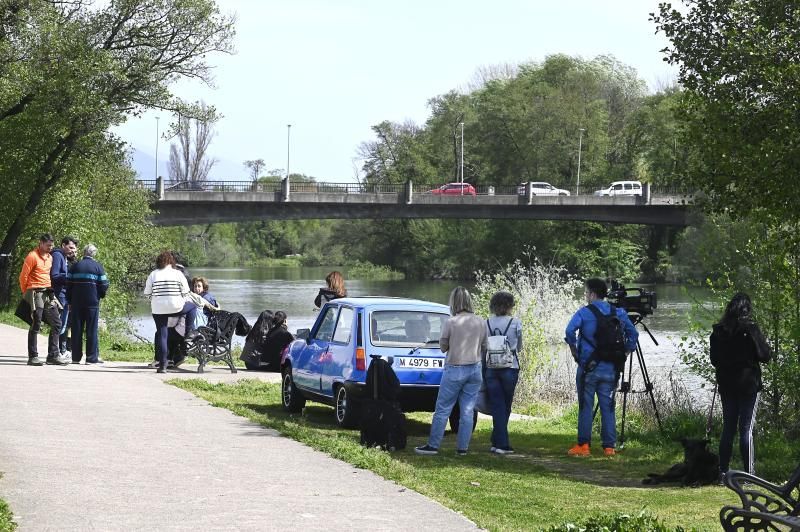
482 402
23 311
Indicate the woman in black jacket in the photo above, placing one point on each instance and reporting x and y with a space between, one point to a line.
737 349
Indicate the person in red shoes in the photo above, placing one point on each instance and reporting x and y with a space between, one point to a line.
594 376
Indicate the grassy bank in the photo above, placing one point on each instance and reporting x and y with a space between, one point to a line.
538 487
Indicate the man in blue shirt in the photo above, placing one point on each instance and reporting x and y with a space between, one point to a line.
593 376
63 257
87 284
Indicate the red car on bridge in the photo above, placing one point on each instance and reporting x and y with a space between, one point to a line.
455 189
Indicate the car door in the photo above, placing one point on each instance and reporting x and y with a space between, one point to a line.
616 190
341 350
309 366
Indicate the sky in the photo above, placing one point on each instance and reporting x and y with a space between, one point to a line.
334 68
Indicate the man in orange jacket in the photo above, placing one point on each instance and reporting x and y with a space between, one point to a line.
34 281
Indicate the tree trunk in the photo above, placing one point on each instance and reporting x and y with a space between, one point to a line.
5 280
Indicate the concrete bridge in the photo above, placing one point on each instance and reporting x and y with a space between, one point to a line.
237 201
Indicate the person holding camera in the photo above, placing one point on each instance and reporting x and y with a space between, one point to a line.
737 349
599 336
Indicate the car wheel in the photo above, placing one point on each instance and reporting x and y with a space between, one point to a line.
293 401
345 409
252 366
455 419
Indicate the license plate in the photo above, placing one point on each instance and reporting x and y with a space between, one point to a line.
420 363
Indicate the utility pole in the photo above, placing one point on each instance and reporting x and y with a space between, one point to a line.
288 133
156 176
462 158
580 139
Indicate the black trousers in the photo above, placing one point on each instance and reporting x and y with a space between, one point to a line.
50 315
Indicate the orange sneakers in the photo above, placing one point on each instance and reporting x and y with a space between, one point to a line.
579 449
609 451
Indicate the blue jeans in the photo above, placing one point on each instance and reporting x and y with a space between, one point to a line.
737 410
500 385
459 383
85 318
601 381
161 350
65 323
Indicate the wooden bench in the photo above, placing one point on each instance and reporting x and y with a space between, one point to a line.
765 506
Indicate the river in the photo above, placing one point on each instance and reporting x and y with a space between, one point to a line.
292 289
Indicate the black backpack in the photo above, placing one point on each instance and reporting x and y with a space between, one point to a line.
609 338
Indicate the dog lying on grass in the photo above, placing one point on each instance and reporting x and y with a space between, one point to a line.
699 467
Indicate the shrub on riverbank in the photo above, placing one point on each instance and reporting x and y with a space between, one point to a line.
545 301
372 272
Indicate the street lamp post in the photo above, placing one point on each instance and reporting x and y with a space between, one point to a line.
580 139
288 133
462 158
156 176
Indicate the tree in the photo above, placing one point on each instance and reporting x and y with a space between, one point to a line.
188 160
71 70
256 166
738 64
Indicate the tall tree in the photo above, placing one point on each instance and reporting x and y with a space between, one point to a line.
71 70
189 161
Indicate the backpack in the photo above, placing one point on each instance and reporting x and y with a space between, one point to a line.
609 338
499 354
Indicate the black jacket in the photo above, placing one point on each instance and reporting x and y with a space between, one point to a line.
736 357
324 296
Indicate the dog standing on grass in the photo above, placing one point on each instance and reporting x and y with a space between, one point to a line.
699 467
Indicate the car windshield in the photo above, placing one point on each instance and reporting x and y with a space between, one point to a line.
404 328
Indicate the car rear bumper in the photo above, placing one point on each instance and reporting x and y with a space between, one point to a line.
413 397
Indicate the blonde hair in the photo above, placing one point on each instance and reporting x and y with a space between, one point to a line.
335 283
460 301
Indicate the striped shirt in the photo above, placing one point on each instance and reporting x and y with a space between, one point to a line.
167 289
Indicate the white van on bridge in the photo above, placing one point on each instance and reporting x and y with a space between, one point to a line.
622 188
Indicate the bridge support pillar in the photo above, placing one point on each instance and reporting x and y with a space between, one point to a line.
529 192
646 193
160 187
285 189
409 192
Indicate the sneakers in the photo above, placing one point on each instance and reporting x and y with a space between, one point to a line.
503 450
153 364
579 449
427 449
609 451
461 452
161 370
56 361
492 449
35 361
98 361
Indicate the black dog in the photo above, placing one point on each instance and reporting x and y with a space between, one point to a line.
700 466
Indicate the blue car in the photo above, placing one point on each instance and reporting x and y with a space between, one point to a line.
328 363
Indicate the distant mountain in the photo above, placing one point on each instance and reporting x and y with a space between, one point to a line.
224 170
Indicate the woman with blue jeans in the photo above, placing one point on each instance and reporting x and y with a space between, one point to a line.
501 383
737 349
463 339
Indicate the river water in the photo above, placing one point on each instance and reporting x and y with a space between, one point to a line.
292 289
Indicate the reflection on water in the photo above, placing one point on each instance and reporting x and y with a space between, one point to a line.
249 291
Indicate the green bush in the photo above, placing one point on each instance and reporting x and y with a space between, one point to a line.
643 522
7 523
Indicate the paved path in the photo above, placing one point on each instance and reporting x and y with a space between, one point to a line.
113 448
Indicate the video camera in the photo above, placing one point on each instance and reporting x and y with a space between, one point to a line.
640 301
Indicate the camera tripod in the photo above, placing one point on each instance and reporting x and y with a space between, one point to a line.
625 383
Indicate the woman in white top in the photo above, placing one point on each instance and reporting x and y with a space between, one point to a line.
167 289
501 383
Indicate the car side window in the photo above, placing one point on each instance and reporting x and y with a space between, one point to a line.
325 331
617 187
628 186
344 326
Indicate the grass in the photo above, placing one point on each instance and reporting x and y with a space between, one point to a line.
537 488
